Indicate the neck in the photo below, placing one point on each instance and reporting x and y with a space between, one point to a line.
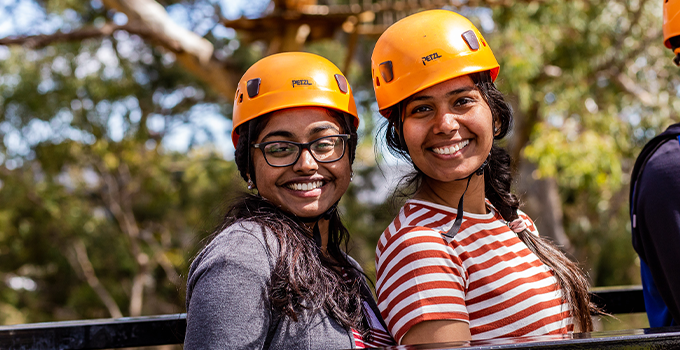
449 193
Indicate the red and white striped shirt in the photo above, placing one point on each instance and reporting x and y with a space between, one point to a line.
484 276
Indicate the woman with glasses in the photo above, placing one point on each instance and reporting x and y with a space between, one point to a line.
444 272
274 274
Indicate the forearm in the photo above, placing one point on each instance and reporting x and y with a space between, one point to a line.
437 332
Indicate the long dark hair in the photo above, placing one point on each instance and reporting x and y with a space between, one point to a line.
497 183
303 278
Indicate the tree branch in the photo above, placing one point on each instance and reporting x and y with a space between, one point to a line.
42 40
627 84
138 282
82 265
162 259
619 62
617 72
192 51
117 198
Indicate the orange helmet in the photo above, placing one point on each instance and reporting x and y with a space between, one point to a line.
426 49
291 79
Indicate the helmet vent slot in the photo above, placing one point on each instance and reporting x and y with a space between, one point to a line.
253 87
342 83
386 71
471 40
240 98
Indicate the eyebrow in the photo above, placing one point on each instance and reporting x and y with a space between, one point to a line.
288 134
448 94
325 127
280 133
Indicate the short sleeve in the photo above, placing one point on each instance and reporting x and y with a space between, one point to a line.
227 303
419 278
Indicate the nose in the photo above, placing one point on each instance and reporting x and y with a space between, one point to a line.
306 163
446 123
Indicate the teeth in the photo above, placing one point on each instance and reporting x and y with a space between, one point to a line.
453 149
305 186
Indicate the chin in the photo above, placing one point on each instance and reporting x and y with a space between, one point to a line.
305 212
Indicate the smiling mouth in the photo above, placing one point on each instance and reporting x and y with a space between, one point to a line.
305 186
451 149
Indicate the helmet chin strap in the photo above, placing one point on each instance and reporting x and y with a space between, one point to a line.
316 234
459 212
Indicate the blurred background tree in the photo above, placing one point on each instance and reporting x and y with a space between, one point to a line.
116 159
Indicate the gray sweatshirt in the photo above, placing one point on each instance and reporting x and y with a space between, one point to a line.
227 303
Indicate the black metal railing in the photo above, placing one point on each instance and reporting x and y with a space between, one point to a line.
169 329
126 332
622 300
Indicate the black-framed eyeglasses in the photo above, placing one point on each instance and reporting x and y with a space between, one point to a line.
325 149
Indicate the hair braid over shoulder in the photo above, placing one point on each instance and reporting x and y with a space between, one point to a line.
570 277
498 182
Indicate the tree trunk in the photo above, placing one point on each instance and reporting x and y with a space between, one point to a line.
541 201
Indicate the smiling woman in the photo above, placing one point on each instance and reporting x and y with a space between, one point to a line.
274 274
444 272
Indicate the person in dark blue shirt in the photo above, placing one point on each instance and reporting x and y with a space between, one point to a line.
655 205
655 215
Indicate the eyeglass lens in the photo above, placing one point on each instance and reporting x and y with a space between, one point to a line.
324 150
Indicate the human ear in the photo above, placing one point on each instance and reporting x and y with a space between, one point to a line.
496 127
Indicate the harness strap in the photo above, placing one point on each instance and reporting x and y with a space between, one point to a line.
459 212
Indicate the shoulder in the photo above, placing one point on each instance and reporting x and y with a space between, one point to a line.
659 181
243 242
665 161
414 219
407 237
416 230
414 250
247 236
